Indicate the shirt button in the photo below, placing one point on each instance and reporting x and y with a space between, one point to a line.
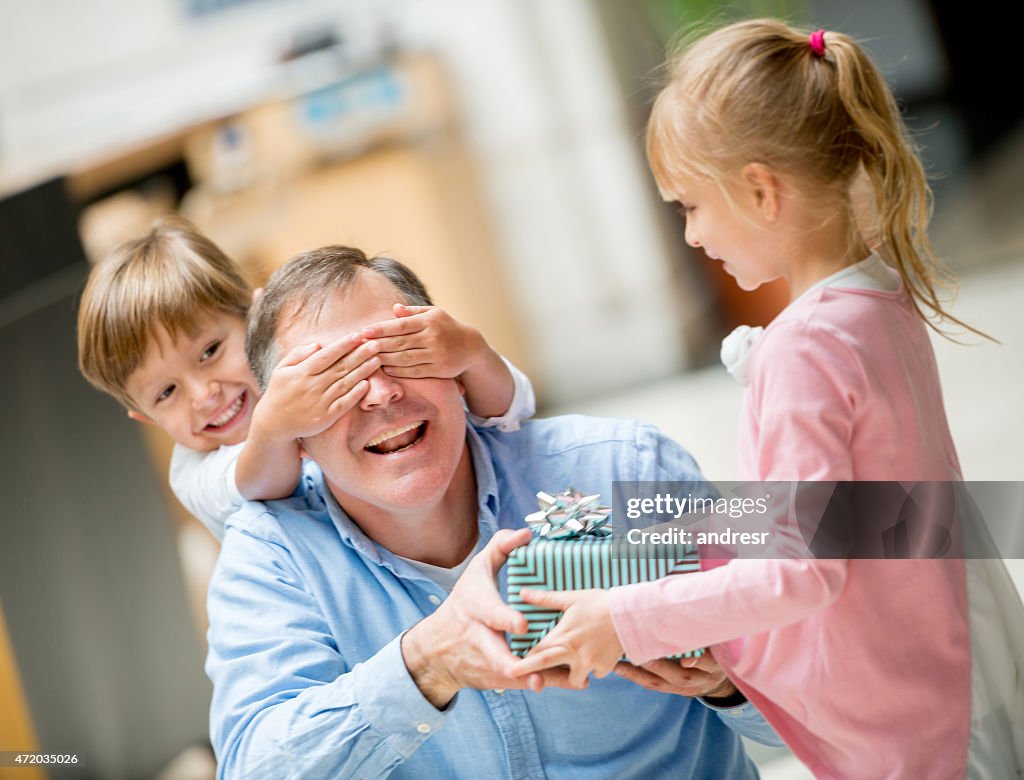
435 600
423 728
735 712
499 690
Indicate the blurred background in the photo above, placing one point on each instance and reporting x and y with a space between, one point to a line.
493 145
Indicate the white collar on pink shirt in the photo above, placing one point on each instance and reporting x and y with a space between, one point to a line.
871 273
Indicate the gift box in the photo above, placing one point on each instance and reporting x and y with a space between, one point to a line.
573 549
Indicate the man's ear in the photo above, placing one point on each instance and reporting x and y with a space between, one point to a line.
763 186
139 417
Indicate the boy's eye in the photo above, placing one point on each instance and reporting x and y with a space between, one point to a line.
165 394
210 351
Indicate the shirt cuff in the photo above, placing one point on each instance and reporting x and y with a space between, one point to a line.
522 406
391 702
728 703
747 721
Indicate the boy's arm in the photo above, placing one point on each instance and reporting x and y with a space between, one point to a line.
308 391
522 406
425 341
486 380
204 482
268 468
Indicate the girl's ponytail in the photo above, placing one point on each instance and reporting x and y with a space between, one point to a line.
901 198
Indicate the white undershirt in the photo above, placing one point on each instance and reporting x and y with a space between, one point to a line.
446 578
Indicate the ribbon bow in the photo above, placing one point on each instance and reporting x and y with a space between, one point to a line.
737 350
568 515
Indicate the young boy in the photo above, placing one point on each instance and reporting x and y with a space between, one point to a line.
161 327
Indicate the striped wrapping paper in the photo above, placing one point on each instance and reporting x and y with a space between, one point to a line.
578 563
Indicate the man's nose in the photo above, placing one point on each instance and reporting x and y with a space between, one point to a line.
384 391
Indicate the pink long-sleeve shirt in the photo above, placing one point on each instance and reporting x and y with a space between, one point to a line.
862 666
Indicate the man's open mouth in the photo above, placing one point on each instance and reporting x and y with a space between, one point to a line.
398 439
229 415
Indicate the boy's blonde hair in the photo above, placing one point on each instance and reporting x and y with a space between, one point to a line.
756 91
170 277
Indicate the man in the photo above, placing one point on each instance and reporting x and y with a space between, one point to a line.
355 631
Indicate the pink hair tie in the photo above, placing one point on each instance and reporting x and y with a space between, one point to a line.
817 42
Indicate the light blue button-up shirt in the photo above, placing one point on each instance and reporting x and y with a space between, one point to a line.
306 614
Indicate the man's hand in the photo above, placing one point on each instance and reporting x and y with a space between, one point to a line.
425 341
462 645
584 638
700 676
313 386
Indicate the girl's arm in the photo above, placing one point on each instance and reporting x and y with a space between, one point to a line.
804 399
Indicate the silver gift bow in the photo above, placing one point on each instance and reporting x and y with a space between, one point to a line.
569 514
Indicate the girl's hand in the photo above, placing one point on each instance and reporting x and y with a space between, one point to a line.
584 638
700 676
425 341
313 386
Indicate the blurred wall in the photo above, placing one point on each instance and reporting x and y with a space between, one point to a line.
91 587
567 189
562 176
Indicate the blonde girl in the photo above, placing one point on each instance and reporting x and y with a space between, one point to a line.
788 157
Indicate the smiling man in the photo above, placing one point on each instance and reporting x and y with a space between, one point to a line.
356 629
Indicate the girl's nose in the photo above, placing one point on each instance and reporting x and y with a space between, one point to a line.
691 235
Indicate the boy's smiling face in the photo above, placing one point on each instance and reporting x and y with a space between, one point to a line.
198 388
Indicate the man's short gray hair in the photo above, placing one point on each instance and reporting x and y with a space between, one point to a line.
305 281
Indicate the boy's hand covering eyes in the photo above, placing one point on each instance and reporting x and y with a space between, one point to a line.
313 386
425 341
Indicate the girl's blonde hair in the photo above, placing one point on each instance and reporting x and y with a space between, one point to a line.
756 91
170 277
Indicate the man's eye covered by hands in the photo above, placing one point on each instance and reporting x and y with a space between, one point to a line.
426 341
314 385
463 645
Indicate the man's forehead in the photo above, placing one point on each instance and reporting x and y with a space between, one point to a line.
369 298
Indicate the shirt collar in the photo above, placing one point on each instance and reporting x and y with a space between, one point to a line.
487 499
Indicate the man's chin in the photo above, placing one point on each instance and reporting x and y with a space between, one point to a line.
398 496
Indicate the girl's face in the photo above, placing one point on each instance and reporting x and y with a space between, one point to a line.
731 230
